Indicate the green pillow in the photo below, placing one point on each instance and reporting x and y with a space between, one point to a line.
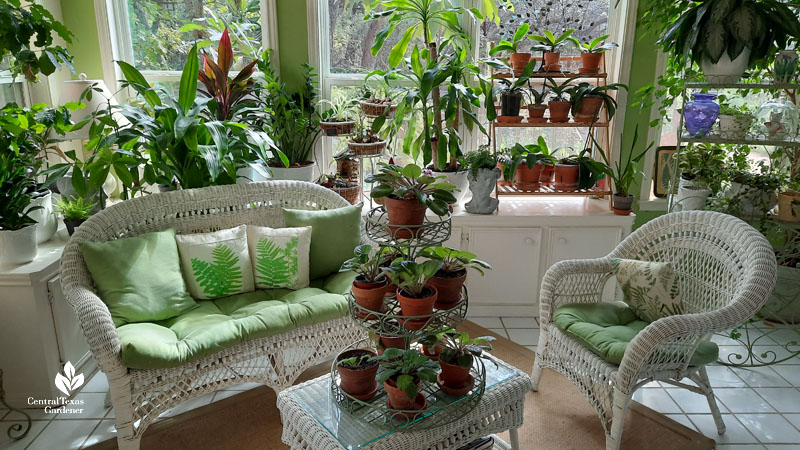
139 278
650 288
335 233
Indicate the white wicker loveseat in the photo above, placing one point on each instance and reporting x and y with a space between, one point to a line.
139 396
725 270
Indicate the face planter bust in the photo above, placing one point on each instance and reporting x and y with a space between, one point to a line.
481 188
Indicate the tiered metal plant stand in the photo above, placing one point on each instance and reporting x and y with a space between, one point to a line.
389 322
16 431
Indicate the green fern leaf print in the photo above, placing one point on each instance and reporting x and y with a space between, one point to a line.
276 266
220 277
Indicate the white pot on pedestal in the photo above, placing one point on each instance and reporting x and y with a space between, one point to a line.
46 221
18 246
725 70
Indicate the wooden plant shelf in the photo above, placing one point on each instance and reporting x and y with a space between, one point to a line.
556 75
509 189
569 124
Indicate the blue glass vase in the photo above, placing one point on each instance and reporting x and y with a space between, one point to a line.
700 114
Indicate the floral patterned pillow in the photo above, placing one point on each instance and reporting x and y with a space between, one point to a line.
650 288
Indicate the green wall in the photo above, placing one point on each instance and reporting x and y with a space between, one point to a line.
79 17
292 41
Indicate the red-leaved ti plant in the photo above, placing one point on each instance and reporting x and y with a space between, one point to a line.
228 94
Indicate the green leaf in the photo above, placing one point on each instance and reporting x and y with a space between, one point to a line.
412 171
276 266
139 83
399 49
220 277
188 87
191 27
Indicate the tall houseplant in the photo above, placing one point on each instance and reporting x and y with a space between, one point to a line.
624 175
17 228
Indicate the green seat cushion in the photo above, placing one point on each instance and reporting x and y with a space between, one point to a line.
606 328
335 233
218 324
139 278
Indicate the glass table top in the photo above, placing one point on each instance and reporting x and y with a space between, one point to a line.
353 433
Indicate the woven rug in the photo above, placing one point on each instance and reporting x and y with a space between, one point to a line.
556 417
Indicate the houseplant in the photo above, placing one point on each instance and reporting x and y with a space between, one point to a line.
339 118
789 198
592 53
358 370
370 285
482 173
17 228
416 297
567 174
364 139
450 278
75 211
376 101
523 165
734 122
701 169
518 60
559 103
228 97
348 189
587 100
402 373
456 358
623 174
536 106
753 193
511 92
550 43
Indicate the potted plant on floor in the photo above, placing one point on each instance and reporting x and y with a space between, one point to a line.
511 93
518 60
587 100
75 211
17 228
482 172
550 44
416 297
592 53
450 278
369 286
524 165
402 373
734 122
408 193
339 118
456 359
358 370
559 104
623 174
536 106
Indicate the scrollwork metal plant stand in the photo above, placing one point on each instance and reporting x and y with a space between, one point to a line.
16 431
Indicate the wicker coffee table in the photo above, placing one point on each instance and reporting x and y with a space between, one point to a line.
312 419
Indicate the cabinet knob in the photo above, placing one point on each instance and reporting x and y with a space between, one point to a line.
562 240
529 241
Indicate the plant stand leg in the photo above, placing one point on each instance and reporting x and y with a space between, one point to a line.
514 439
16 431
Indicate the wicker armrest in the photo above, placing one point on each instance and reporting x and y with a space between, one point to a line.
573 281
98 327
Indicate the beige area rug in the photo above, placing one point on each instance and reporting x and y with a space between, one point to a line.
556 417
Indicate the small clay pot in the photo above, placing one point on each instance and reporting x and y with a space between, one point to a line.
454 376
789 206
548 176
432 353
360 383
509 119
528 178
536 113
369 295
423 306
518 62
449 289
622 204
590 63
398 397
559 111
567 177
589 110
391 342
551 60
403 212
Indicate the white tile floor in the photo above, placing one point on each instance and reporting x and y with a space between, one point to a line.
761 406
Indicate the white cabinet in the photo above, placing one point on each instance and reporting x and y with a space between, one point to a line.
514 256
581 243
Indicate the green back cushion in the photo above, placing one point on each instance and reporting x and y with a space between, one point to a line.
606 328
139 278
335 233
650 288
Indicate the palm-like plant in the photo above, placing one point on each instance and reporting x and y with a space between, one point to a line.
227 95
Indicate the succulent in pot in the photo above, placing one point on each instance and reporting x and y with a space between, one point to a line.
623 174
592 54
559 105
453 273
518 60
415 296
408 193
550 44
369 286
587 100
75 211
511 93
457 358
402 374
358 370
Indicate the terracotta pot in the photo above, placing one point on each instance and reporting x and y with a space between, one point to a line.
518 62
589 110
536 113
391 342
370 295
551 62
410 306
509 119
590 62
449 289
359 383
559 111
622 204
432 353
567 176
398 397
548 176
789 206
454 375
404 213
528 179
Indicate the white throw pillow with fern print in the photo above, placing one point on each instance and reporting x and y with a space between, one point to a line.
280 256
216 264
650 288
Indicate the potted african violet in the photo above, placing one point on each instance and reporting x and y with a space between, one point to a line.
402 373
567 174
358 369
382 342
518 60
369 286
592 53
457 358
416 297
453 273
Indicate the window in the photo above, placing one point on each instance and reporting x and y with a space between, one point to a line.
11 90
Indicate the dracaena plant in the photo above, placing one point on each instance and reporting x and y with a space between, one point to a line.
411 277
454 261
625 171
412 183
228 95
406 368
457 347
366 263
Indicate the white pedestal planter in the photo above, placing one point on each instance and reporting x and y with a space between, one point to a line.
302 173
459 179
18 246
690 197
725 70
46 221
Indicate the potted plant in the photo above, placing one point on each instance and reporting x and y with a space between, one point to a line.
402 373
623 174
17 228
348 189
592 53
701 167
346 164
482 173
511 92
725 37
357 371
416 297
518 60
376 101
789 206
587 100
789 199
559 104
227 96
753 193
550 44
457 356
734 122
369 286
450 278
408 193
524 165
536 107
382 342
338 119
75 211
567 174
364 139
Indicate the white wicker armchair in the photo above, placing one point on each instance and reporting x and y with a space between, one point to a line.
139 396
726 269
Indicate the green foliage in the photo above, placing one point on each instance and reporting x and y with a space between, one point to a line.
16 190
457 347
725 109
356 362
410 182
590 170
579 92
411 276
220 277
704 163
406 367
480 159
511 46
341 108
598 45
623 174
75 209
276 265
530 155
228 96
366 263
552 43
561 91
454 260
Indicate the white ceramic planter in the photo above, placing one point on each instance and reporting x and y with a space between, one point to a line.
18 246
302 173
252 174
691 198
734 127
459 179
481 188
753 202
725 70
46 221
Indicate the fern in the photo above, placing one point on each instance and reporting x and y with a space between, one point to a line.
276 266
222 276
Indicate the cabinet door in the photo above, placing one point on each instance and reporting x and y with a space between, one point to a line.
455 239
72 344
514 254
583 243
